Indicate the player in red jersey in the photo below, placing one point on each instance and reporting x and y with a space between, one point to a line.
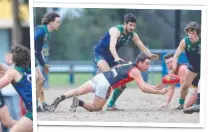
180 71
102 83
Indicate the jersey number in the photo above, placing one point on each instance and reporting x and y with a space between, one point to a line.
114 72
29 77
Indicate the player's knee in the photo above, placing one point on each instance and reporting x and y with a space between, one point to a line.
185 85
123 87
95 108
40 81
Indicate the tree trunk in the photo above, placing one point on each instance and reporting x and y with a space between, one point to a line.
16 29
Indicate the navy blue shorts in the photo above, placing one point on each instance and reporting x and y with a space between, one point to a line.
1 100
97 57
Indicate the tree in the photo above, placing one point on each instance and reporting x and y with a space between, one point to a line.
16 29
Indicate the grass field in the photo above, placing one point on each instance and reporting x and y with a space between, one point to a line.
62 79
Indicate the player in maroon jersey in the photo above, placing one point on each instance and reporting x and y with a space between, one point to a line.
102 83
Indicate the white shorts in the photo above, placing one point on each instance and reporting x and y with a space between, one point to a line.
100 85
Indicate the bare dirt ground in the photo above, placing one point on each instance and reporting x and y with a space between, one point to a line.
138 107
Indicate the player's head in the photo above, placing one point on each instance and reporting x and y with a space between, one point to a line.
21 56
143 62
52 20
130 22
168 58
193 31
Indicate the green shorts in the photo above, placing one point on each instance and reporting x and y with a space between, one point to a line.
29 115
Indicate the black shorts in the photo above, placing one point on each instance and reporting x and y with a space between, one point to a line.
194 69
196 80
1 100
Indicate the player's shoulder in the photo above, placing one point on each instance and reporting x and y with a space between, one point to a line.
40 28
134 71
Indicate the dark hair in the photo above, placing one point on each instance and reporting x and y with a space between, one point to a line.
129 18
142 57
21 56
168 55
193 26
49 17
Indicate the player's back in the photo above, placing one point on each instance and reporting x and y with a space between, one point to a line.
119 75
103 46
24 87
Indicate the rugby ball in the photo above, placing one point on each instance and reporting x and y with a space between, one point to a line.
171 79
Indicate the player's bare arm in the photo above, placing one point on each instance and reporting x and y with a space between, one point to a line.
114 33
7 78
178 52
3 68
171 89
141 46
136 74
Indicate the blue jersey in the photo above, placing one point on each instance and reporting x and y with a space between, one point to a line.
103 46
41 36
24 87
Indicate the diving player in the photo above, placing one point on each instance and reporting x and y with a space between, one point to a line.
102 83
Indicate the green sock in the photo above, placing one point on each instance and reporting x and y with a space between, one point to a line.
116 93
36 103
43 103
181 101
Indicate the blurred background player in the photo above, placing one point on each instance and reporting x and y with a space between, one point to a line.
105 53
102 83
50 22
20 78
192 46
180 70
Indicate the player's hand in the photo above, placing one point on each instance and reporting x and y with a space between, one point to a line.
120 61
173 71
154 57
159 86
164 106
163 92
46 68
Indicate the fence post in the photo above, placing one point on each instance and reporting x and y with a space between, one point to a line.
71 74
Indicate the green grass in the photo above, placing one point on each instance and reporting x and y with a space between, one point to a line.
62 79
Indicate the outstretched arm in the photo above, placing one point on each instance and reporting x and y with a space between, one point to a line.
141 46
171 89
136 74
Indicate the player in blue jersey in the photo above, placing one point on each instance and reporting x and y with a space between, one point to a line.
192 47
105 53
20 78
101 84
50 22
